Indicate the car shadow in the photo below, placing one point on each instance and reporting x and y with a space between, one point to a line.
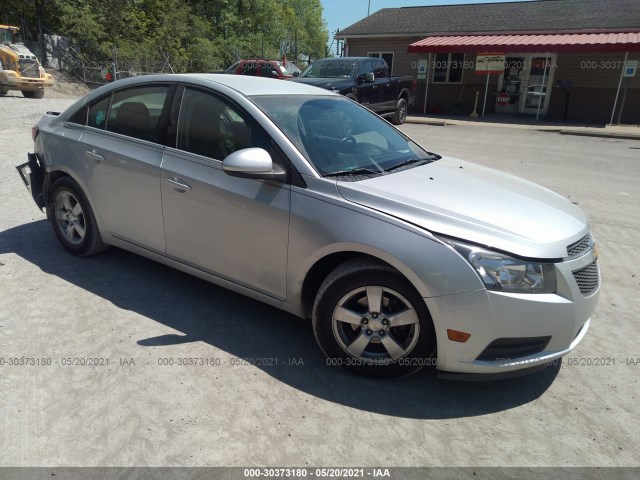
246 328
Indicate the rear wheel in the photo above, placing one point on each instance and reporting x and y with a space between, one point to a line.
73 221
33 94
370 320
400 115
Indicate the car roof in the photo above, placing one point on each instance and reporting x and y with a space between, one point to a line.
244 84
347 59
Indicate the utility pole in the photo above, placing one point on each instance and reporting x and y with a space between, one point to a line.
369 8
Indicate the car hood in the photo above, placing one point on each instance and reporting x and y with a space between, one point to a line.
478 204
326 83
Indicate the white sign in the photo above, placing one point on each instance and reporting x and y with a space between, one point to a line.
422 69
490 63
630 68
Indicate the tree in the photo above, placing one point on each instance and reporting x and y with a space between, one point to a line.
193 35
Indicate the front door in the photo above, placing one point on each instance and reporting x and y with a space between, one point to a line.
235 228
525 85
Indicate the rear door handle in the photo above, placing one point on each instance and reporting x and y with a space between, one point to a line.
93 156
178 185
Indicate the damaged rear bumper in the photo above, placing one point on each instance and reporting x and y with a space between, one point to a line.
32 173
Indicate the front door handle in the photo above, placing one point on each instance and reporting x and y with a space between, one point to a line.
93 156
178 185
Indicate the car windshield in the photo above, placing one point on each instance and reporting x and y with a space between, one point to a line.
341 138
330 68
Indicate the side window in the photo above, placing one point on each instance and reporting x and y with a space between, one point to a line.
210 127
267 69
380 70
136 112
80 117
250 68
98 113
386 56
366 67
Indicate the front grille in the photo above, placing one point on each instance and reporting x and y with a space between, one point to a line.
507 349
580 246
587 278
29 68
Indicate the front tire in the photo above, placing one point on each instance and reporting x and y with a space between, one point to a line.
73 221
400 115
33 94
369 320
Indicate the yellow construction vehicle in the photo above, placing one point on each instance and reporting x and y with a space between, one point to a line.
19 68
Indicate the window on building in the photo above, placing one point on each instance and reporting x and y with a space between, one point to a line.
448 68
386 56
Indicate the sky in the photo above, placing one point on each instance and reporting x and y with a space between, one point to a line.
343 13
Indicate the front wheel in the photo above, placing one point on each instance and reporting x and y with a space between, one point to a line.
73 221
370 320
400 115
33 93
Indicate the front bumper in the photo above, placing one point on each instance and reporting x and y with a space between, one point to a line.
511 332
14 82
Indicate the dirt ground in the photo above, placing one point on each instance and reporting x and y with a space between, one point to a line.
130 363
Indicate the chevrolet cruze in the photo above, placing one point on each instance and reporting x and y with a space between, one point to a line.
309 202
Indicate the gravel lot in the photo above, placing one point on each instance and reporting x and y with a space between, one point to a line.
286 407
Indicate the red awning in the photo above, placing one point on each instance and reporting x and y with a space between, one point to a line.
569 42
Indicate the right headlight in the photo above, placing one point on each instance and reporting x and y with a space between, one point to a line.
507 274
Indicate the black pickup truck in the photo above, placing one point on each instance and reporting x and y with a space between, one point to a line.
365 80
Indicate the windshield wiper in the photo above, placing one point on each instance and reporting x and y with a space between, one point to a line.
353 171
410 162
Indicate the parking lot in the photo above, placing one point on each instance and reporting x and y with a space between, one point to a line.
115 360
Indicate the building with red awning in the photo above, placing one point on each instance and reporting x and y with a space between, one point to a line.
558 59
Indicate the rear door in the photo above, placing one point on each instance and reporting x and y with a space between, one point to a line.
235 228
121 149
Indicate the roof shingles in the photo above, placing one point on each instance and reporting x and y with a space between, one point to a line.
532 16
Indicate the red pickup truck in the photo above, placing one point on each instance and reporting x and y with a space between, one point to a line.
260 68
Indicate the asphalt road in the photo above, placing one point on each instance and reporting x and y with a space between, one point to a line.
125 362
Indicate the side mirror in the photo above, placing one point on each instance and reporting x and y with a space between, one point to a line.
369 77
274 73
252 163
296 74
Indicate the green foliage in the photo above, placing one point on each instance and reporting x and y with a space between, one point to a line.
190 35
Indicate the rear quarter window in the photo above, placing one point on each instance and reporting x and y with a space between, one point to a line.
79 117
98 113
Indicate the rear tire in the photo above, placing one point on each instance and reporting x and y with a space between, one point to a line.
369 319
72 218
33 94
400 115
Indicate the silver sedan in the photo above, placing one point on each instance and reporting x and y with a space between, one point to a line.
305 200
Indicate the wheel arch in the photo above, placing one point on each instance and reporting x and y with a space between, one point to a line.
404 93
60 172
52 176
324 265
